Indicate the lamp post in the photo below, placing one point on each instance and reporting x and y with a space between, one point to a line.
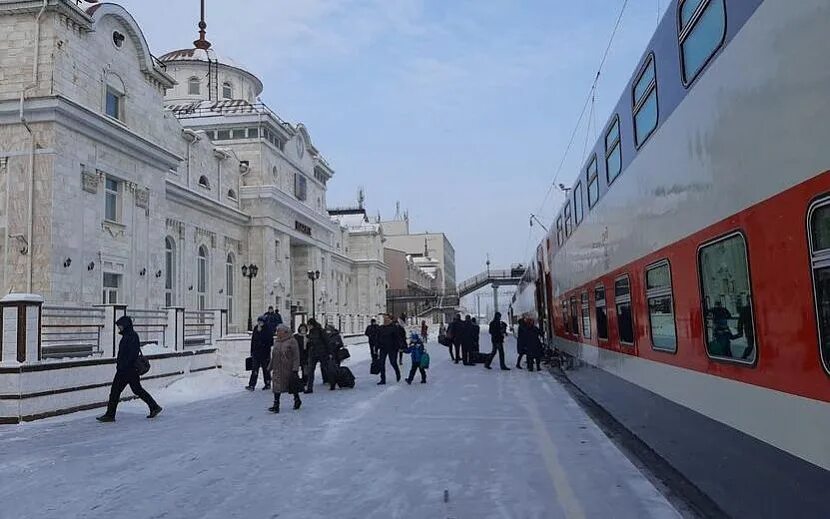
250 272
313 275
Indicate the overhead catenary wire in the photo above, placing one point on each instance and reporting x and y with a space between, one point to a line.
588 100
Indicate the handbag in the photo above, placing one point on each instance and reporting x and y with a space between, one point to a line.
142 365
425 360
374 369
249 364
295 385
342 354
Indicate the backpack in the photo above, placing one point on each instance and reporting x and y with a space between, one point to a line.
425 360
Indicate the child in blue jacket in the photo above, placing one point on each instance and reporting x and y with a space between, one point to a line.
417 351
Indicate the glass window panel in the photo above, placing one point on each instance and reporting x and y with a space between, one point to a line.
820 228
253 133
602 323
658 277
643 84
568 219
645 120
622 287
599 295
559 231
578 212
574 317
687 11
625 323
565 317
661 320
822 288
223 135
593 192
612 136
193 86
727 299
586 317
703 39
613 163
113 104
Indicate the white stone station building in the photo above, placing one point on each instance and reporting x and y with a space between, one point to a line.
131 184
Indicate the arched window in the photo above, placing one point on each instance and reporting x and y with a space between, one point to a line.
231 194
204 182
169 272
194 86
275 173
202 278
229 281
227 90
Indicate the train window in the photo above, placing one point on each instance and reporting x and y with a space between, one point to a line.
622 300
593 182
568 222
726 293
586 316
702 31
574 317
602 314
559 237
578 212
565 318
645 103
819 222
661 307
613 159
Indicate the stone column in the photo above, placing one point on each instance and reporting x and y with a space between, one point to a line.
174 333
109 334
20 338
495 298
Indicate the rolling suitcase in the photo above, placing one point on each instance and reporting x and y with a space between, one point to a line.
345 377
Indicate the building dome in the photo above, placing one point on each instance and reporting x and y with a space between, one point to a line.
209 65
194 54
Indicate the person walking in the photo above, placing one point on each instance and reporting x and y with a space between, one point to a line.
416 350
285 364
521 341
126 372
389 342
300 337
262 338
498 330
272 319
455 332
467 341
534 345
424 332
372 334
318 353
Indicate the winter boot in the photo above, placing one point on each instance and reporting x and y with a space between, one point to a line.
297 401
155 412
250 388
276 407
409 381
267 387
105 418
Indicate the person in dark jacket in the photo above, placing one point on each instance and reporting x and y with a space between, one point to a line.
126 373
391 338
317 345
455 332
272 320
534 345
476 336
467 341
521 341
498 330
372 334
335 343
262 339
300 336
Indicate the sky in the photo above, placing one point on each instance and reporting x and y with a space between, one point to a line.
461 110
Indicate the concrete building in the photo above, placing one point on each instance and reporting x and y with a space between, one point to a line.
423 245
150 182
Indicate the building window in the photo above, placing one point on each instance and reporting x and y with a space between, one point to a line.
194 87
593 182
645 103
819 224
229 282
253 133
661 307
574 317
202 278
586 316
727 299
112 200
578 211
275 173
223 135
231 194
169 272
204 182
559 235
114 103
622 300
227 91
613 152
601 312
112 286
300 187
702 32
568 224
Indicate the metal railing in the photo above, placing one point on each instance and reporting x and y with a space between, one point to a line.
150 325
198 325
71 331
472 284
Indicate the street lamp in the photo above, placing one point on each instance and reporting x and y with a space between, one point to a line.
313 275
250 272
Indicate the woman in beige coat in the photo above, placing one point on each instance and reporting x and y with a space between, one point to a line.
285 363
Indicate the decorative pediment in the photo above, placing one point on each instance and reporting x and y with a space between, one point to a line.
205 235
89 180
175 227
142 197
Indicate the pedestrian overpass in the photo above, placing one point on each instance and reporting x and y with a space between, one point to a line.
497 278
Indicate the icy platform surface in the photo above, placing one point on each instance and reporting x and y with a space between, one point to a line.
496 444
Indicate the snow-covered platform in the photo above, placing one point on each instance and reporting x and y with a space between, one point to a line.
470 443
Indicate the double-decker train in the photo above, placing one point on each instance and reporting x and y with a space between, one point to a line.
692 255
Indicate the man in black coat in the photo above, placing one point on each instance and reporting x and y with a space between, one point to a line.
468 340
262 339
391 337
126 373
319 352
455 332
273 319
372 334
498 330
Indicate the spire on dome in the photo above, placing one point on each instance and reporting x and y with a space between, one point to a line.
202 43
